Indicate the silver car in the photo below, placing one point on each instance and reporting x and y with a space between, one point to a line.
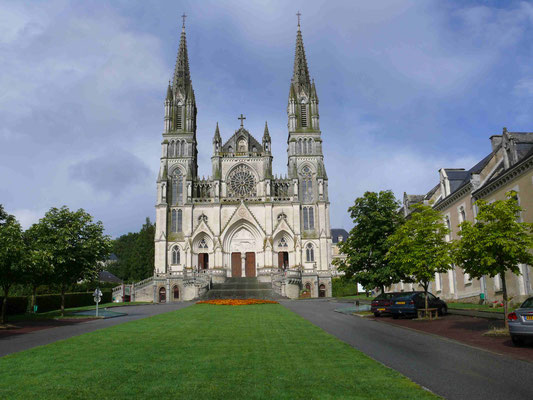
521 322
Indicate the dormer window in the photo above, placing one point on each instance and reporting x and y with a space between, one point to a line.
339 239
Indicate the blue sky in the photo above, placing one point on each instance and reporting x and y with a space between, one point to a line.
405 88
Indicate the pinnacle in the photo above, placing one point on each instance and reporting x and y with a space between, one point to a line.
182 75
300 75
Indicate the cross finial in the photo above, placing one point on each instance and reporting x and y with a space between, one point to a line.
183 17
298 14
242 118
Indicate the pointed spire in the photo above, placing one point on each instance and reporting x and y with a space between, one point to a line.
182 75
266 134
300 76
217 137
169 92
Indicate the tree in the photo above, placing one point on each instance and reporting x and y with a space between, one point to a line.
38 269
496 243
375 217
419 248
12 256
135 253
72 245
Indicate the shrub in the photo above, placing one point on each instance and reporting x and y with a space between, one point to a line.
15 304
51 302
343 287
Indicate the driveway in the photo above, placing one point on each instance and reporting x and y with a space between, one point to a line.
13 343
447 368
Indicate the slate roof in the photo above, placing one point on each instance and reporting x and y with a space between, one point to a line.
335 233
106 276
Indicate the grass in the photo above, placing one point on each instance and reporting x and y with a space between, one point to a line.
497 332
204 352
357 297
56 314
477 307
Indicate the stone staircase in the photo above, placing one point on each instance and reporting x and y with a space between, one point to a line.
242 288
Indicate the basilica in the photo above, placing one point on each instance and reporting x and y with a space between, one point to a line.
242 221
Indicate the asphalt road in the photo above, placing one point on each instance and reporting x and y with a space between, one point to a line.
447 368
15 343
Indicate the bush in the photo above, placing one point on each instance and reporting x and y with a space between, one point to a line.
15 304
343 287
51 302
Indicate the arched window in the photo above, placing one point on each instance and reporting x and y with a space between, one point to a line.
309 253
177 187
173 221
309 218
171 149
306 183
310 146
299 147
303 115
308 286
176 292
180 221
176 255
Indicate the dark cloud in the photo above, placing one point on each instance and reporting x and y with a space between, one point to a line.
113 173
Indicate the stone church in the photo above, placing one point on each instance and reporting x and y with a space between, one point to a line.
242 221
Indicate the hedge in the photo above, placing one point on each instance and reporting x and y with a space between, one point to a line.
51 302
15 304
343 287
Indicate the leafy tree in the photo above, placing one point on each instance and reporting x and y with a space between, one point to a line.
38 269
419 248
375 217
135 253
12 256
496 243
71 244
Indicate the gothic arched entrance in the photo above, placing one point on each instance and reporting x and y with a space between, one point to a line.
162 295
322 291
242 247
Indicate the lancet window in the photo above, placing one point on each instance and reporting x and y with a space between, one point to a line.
177 187
306 183
309 253
176 255
309 218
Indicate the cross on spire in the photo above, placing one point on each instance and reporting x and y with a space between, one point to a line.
298 14
183 18
242 118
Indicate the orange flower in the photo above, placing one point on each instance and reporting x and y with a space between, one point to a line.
236 302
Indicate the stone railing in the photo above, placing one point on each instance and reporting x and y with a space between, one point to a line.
143 283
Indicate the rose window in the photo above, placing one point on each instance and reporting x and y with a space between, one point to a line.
241 182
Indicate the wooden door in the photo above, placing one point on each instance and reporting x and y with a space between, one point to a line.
250 265
283 260
203 261
280 260
236 266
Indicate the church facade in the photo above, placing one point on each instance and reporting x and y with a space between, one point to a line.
242 221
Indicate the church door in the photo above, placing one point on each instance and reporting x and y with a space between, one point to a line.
283 260
162 295
250 265
236 266
203 261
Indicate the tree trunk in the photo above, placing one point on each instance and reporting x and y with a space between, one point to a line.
62 300
505 309
33 297
382 289
426 284
4 305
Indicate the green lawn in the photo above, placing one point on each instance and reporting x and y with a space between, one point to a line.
204 352
357 297
477 307
69 312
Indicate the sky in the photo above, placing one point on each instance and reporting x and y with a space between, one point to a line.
405 88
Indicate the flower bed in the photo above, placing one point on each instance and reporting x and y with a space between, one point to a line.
236 302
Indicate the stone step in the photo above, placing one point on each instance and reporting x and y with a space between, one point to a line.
242 288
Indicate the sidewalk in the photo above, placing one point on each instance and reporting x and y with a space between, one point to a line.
467 330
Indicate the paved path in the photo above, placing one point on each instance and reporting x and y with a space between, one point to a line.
447 368
14 343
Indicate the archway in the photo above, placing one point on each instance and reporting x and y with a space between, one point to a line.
162 295
176 292
322 291
242 241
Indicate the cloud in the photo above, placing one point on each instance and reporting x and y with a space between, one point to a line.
114 172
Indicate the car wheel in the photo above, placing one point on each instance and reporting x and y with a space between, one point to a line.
443 310
517 341
377 315
395 316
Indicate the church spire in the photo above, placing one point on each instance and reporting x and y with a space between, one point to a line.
182 75
300 76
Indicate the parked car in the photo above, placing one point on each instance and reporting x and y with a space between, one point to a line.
521 322
381 304
408 304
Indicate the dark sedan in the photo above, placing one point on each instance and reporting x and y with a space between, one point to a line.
408 304
381 304
521 322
